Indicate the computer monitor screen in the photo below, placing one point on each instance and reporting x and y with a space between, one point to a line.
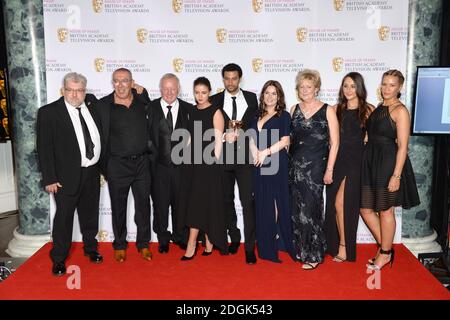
431 112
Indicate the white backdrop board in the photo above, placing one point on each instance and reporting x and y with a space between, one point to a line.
269 39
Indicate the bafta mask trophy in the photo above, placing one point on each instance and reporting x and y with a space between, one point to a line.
235 125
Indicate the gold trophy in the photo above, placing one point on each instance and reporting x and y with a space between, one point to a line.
235 125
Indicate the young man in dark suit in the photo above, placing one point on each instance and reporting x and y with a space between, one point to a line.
69 147
241 105
166 114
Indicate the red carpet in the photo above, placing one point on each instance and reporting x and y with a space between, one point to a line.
219 277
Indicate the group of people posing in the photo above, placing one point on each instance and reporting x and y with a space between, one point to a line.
188 158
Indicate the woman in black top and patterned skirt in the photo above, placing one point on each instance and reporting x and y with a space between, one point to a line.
343 195
387 178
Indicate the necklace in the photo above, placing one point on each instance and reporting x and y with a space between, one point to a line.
307 111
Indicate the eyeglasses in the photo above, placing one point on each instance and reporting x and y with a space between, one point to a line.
124 81
69 90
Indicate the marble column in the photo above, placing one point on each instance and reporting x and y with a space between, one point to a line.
24 25
423 50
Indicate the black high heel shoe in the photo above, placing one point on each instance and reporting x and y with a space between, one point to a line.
373 266
184 258
206 253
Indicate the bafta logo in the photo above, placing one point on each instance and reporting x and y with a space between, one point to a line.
257 5
102 235
141 35
99 64
97 5
338 5
257 64
337 64
178 65
302 33
221 35
383 33
177 5
219 90
63 33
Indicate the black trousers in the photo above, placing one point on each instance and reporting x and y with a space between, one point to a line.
242 174
167 192
123 174
86 201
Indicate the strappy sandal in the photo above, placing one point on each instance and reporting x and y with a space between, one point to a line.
338 258
391 252
310 265
372 260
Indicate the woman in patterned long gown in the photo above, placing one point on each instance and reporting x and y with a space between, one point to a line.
314 146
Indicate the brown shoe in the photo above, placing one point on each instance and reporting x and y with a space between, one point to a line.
120 255
145 254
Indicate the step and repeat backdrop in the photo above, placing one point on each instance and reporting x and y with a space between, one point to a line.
269 39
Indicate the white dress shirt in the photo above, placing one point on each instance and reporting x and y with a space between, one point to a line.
93 131
175 107
240 103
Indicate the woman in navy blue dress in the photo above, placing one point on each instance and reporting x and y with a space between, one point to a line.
270 175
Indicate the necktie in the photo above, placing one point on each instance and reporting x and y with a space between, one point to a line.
87 137
234 115
169 118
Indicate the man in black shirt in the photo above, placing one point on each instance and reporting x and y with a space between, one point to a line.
125 161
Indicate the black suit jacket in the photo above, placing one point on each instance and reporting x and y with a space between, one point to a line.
103 110
247 118
160 135
57 145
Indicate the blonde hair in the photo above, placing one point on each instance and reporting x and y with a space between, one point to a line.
308 74
395 73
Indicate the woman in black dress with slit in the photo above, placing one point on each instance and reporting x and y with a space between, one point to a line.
387 178
343 195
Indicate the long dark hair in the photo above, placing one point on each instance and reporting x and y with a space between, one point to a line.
361 93
281 104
